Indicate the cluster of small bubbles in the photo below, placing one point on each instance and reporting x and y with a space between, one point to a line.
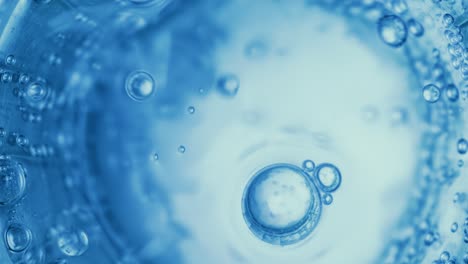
465 230
10 60
139 85
447 20
431 93
328 177
181 149
31 117
452 92
18 237
454 227
327 199
308 165
392 30
72 243
191 110
12 180
228 85
462 146
41 150
54 59
415 28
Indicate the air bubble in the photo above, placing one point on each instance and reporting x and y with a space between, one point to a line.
392 30
256 49
72 243
447 20
415 28
328 177
18 237
327 199
191 110
308 165
444 256
181 149
452 92
12 180
155 156
228 85
139 85
462 146
454 227
431 93
36 94
281 205
10 60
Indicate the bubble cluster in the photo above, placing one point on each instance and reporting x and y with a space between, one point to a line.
139 85
392 30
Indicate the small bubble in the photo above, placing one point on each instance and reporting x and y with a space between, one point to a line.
12 180
415 28
18 237
460 163
444 256
36 94
6 77
462 146
431 93
452 92
256 49
191 110
228 85
454 227
181 149
447 20
10 60
23 78
72 243
370 113
392 30
308 165
399 116
327 199
328 176
139 85
459 197
155 156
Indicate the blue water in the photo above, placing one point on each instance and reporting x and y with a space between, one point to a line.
233 131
